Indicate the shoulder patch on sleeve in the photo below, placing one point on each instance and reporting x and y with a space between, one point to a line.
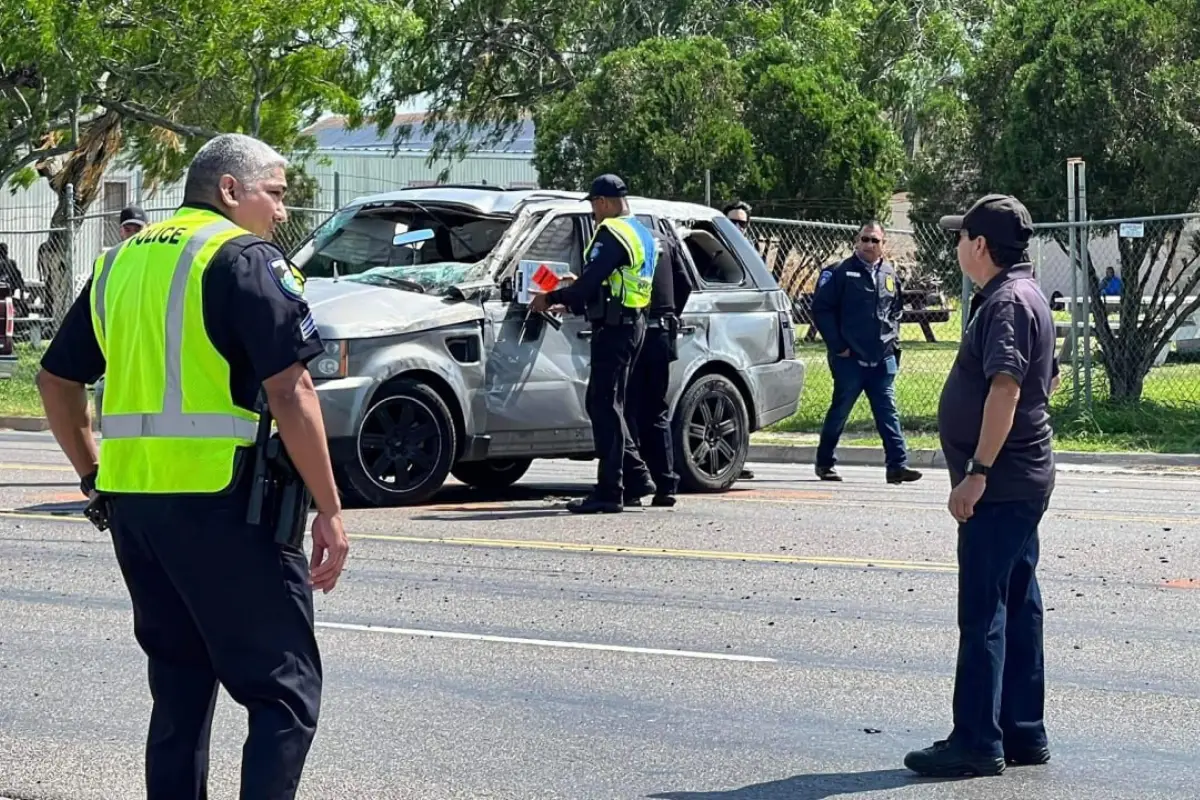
826 276
595 251
288 278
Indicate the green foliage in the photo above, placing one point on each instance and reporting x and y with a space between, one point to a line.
817 138
1116 83
660 112
164 77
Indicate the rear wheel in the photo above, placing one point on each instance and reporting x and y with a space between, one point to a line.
493 474
404 447
712 435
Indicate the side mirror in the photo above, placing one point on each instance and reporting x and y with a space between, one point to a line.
506 290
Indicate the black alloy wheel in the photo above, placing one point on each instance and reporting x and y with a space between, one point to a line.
405 447
712 434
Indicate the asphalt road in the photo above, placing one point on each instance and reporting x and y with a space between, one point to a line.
790 639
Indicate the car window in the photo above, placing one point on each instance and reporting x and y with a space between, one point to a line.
558 241
714 261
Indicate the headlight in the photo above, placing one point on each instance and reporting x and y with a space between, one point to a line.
331 363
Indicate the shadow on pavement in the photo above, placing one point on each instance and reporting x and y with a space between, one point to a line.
810 787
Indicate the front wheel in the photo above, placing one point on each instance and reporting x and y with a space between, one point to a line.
404 447
712 435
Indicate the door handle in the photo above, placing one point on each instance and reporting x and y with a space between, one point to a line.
584 334
686 329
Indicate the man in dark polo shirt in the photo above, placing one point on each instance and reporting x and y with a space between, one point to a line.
995 432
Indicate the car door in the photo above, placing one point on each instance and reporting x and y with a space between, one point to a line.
536 379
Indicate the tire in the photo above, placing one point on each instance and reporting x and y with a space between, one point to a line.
712 435
493 474
408 429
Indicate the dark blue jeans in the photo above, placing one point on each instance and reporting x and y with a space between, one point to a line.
1000 683
851 379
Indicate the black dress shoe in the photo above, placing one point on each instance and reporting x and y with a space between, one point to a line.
828 474
663 501
903 475
594 505
746 475
945 760
1026 756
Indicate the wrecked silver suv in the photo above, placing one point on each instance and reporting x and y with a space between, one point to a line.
435 366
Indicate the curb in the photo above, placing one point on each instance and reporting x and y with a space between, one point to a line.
930 459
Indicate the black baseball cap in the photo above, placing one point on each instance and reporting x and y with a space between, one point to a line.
607 186
133 215
1002 219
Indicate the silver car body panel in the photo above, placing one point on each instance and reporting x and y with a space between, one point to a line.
527 392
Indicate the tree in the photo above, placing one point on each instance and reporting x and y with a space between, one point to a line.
86 84
484 65
659 113
1117 83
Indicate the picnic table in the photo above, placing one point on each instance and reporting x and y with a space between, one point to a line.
1186 338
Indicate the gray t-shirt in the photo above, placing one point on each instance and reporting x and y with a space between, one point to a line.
1011 330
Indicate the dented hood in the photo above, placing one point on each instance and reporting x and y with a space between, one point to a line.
351 310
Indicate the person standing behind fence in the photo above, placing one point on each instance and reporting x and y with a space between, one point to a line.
994 424
132 220
857 309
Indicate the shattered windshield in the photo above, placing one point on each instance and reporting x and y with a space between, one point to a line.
427 249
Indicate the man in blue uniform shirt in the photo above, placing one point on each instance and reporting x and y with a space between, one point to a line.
857 309
614 293
994 424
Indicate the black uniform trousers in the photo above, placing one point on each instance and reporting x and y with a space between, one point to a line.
614 350
1000 681
216 600
647 414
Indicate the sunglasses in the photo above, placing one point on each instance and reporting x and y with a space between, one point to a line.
870 240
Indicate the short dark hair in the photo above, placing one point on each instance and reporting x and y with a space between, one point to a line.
737 205
872 223
1003 257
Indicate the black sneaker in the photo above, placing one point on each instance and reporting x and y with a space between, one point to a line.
594 505
663 501
903 475
1026 756
945 760
828 474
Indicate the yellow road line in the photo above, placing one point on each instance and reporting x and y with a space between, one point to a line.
667 552
37 467
607 549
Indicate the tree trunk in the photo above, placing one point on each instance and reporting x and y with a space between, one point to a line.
1127 366
83 171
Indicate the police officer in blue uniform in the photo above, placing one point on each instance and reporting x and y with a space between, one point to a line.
647 413
216 600
857 309
614 293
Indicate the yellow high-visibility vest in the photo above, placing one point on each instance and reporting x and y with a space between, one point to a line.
168 421
633 283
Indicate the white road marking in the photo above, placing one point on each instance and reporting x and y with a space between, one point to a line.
476 637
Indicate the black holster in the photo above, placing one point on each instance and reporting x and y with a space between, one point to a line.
279 500
671 323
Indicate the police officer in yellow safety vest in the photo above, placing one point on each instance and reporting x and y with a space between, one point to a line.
186 320
614 293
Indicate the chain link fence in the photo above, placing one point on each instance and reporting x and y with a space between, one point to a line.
32 260
796 251
1141 295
